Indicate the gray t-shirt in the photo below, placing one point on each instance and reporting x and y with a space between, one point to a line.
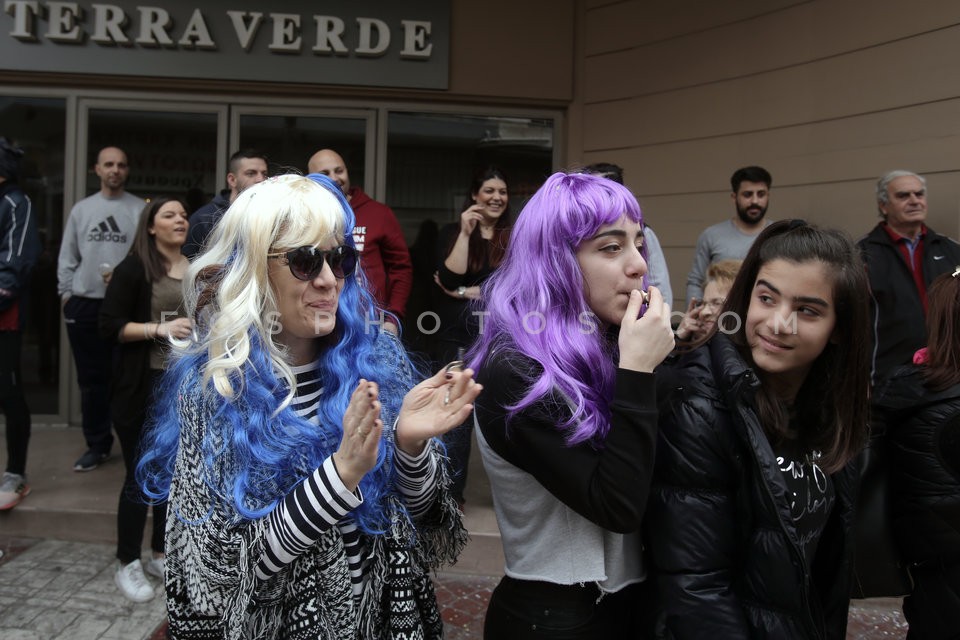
722 241
99 231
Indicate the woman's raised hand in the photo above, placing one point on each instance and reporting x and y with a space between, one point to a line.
435 406
362 429
645 341
470 218
691 328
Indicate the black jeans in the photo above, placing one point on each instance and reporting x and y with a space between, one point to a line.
132 508
14 405
534 610
94 360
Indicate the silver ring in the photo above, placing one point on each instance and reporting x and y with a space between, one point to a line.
645 296
446 398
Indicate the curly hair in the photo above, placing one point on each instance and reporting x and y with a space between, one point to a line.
243 374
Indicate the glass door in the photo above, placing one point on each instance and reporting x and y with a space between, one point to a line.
173 149
289 136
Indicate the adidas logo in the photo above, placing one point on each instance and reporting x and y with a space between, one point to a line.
107 231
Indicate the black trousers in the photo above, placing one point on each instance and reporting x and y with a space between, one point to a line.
534 610
14 405
94 360
133 506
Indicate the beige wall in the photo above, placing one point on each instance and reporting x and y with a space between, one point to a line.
826 94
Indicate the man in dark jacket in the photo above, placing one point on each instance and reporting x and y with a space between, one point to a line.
378 237
19 249
247 167
903 256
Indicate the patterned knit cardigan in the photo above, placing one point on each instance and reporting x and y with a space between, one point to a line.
212 592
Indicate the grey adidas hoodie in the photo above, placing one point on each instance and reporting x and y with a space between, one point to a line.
99 230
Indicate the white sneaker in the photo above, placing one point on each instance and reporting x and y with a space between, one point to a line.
155 567
13 489
132 583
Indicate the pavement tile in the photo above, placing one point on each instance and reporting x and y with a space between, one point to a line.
86 626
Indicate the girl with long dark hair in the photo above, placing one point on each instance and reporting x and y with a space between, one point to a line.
750 517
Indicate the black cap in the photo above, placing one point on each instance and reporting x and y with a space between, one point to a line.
9 159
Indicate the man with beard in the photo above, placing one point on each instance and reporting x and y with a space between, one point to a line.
731 239
903 257
246 168
379 239
97 236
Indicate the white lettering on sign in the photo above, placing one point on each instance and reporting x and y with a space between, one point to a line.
245 29
415 34
110 25
330 35
286 33
62 22
367 27
196 35
109 21
24 14
154 25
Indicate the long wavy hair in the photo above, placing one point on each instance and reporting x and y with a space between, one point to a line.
942 368
540 278
479 251
832 403
244 373
155 265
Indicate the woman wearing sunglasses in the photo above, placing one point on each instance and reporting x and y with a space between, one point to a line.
142 310
307 495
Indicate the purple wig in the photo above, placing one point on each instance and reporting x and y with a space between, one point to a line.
535 302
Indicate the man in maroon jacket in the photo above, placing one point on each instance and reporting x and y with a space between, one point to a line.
379 238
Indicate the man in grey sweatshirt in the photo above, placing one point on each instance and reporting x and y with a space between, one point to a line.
98 235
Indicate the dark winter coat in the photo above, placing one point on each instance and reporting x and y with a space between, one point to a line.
923 435
727 559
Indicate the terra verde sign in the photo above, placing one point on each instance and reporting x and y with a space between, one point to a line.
370 43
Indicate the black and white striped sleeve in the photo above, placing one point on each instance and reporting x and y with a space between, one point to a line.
417 479
315 505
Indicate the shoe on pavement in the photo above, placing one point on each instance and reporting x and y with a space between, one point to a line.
132 583
13 489
155 567
90 461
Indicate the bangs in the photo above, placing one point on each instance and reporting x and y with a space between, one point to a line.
310 218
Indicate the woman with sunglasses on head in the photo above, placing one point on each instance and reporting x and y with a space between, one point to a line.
142 310
470 250
751 513
307 494
567 423
922 405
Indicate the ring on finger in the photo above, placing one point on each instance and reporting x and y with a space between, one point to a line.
446 398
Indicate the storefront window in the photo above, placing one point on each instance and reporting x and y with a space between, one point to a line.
431 159
38 125
289 141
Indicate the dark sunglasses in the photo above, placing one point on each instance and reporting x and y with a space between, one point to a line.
306 263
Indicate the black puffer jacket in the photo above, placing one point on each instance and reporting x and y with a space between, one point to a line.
726 555
923 433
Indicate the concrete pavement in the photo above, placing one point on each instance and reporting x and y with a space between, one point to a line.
56 575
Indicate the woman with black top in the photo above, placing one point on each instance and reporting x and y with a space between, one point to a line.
752 507
568 418
142 310
922 402
470 250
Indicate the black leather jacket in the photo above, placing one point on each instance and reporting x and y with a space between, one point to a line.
923 433
726 554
